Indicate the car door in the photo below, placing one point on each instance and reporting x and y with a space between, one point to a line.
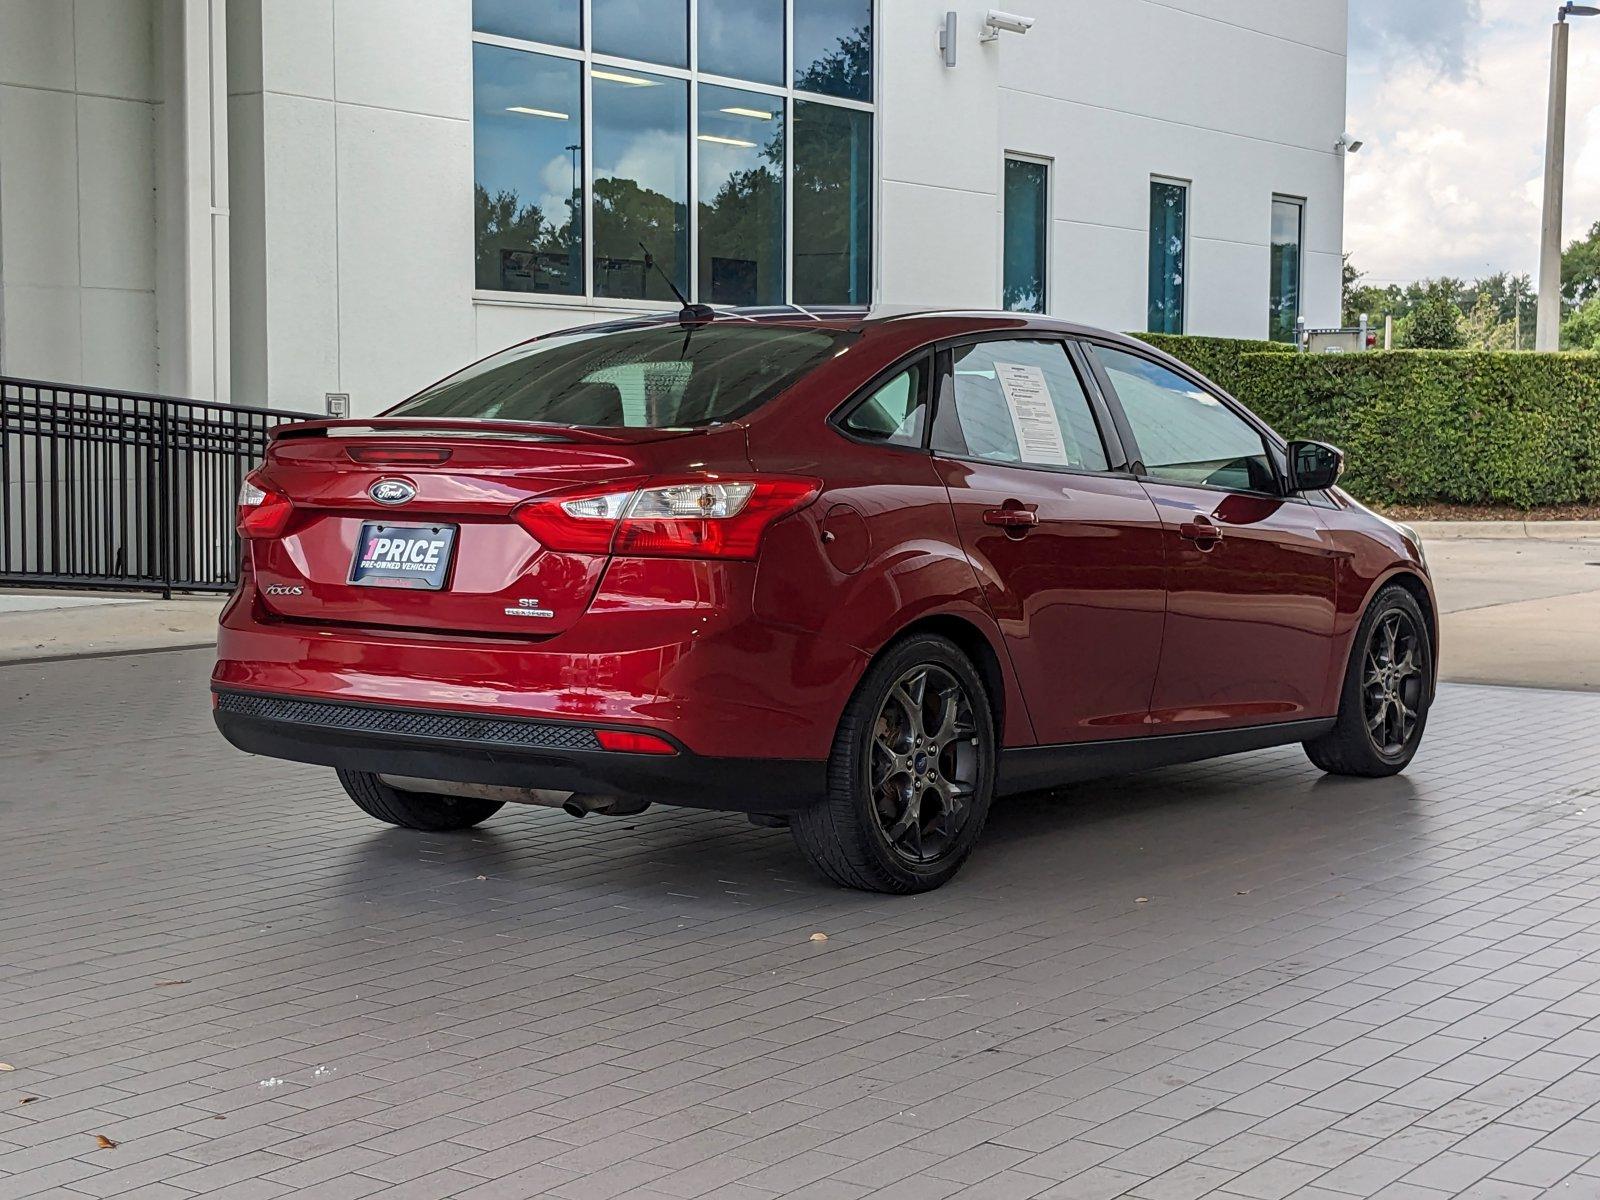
1066 545
1250 571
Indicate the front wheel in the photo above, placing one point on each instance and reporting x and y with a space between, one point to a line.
911 775
1388 688
415 810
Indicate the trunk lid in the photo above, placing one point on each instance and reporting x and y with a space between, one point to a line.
467 476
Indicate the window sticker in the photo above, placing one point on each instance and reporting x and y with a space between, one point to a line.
1033 416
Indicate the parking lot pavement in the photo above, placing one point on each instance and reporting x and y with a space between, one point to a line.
1233 979
1523 611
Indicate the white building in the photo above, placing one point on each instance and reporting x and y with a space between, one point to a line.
273 200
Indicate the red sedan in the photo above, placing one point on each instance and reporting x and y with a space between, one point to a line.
854 573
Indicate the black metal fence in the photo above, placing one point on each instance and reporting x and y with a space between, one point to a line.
102 489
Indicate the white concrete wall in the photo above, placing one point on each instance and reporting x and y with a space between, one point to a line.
78 110
349 179
1242 98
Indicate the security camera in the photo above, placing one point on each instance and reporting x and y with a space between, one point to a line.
1348 145
998 22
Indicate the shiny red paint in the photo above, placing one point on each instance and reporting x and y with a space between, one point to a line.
1105 611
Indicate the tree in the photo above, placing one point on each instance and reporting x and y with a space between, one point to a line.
1580 268
1581 329
1435 322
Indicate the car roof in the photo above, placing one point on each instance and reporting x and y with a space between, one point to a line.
862 318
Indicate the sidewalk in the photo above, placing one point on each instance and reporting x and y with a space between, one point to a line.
45 624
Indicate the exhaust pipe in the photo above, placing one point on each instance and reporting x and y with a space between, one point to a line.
579 804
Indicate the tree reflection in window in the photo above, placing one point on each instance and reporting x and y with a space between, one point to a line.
741 151
833 47
528 160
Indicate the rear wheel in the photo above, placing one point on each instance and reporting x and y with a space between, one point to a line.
911 775
415 810
1388 687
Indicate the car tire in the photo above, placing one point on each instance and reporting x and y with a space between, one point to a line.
903 744
415 810
1388 688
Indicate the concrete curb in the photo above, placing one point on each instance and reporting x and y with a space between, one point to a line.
1545 531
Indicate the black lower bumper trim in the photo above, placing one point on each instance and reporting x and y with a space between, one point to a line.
469 748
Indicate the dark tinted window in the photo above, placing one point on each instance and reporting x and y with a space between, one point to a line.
833 47
1018 402
1185 434
657 377
553 21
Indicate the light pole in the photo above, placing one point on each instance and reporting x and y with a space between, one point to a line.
1548 334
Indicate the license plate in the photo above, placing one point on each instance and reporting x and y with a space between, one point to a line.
409 556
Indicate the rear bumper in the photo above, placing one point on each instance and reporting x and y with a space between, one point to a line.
470 747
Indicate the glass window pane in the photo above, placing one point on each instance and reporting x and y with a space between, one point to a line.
832 204
1026 234
895 412
833 47
1169 237
553 21
1185 434
1284 300
742 38
740 147
650 30
527 155
1019 402
653 377
641 185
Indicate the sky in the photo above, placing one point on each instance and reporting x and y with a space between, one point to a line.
1450 98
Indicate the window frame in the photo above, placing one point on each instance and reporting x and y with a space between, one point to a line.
1049 165
1188 195
588 59
1299 203
1273 445
1099 412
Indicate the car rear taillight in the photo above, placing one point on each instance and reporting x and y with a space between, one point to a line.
687 518
263 512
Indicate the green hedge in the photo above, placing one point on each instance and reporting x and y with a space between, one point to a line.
1215 358
1432 426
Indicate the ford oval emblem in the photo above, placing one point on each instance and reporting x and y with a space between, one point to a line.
391 491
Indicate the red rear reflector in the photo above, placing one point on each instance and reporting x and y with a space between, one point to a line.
633 743
399 456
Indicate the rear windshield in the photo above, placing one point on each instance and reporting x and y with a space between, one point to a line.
664 376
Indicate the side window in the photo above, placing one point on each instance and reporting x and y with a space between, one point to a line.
896 410
1185 434
1018 402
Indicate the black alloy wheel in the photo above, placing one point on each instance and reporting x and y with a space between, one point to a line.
923 768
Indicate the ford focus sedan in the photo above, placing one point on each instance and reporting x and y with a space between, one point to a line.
851 573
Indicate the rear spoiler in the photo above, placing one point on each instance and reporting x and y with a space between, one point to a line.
453 428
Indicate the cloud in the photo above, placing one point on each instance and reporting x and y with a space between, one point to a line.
1438 33
1450 180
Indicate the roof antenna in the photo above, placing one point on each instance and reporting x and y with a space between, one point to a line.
689 312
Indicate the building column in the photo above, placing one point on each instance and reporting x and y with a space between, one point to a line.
196 331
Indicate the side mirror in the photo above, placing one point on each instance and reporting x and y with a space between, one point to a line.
1314 466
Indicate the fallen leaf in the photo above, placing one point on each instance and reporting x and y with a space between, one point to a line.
27 1100
102 1142
171 982
6 1067
1246 892
1141 900
819 937
481 878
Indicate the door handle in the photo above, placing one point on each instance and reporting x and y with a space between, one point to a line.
1011 518
1197 531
